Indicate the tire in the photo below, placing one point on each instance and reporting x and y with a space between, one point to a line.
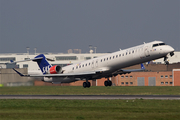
106 83
84 84
110 83
88 84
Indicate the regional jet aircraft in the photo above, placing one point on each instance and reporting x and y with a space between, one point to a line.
104 66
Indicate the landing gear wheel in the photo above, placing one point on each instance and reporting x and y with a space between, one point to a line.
86 84
166 62
110 83
107 83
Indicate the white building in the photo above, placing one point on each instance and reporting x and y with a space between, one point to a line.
61 59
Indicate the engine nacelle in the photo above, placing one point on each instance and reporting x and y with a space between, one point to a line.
55 69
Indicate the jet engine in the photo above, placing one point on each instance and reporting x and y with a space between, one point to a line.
55 69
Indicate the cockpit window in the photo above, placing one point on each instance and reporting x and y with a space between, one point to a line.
160 44
154 45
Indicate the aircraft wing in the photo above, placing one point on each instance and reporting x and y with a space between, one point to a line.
124 71
80 75
84 74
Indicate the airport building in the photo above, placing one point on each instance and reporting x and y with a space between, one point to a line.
156 74
59 59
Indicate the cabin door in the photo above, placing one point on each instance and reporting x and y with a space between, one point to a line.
92 64
146 51
96 63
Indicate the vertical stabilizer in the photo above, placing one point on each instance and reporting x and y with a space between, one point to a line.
43 63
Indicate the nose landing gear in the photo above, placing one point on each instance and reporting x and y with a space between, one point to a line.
165 60
172 53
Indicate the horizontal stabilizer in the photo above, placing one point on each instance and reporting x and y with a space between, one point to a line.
39 57
34 59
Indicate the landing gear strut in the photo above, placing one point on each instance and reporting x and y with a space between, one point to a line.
107 83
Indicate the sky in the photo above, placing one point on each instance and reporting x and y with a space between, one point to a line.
58 25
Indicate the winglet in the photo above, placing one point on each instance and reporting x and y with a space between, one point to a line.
142 66
18 72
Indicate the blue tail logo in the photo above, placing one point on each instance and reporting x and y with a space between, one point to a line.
43 63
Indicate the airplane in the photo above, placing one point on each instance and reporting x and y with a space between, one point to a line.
104 66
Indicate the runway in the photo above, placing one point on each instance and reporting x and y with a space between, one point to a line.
92 97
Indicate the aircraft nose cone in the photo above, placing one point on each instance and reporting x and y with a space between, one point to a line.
169 49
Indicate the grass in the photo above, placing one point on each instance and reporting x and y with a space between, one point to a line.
11 109
89 109
101 90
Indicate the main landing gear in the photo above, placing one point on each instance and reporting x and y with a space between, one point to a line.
86 84
107 83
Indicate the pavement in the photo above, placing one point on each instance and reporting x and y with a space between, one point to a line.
92 97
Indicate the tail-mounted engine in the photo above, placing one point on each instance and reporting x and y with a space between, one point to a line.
55 69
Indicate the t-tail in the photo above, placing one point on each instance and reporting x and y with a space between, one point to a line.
42 63
45 67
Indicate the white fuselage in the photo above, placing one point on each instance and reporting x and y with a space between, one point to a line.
121 59
118 60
